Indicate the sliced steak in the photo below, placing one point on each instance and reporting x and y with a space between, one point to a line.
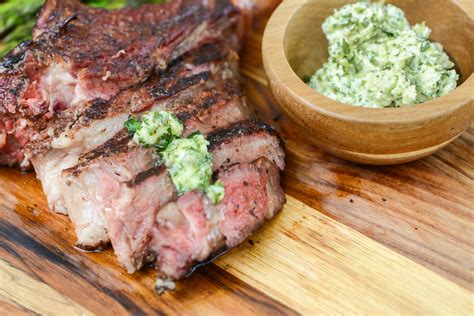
120 151
80 53
106 177
97 120
243 141
121 174
191 229
68 92
191 85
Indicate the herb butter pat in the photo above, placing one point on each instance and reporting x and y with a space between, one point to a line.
155 129
187 159
190 166
376 59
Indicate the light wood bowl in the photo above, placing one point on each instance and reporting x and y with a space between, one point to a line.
294 46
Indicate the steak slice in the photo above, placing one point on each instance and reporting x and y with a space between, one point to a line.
185 78
243 141
80 53
120 152
192 229
191 84
127 189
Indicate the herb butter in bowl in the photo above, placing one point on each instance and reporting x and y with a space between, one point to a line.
377 83
376 59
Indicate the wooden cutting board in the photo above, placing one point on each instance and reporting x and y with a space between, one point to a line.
351 239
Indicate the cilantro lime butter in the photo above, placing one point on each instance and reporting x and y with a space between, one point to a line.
188 160
376 59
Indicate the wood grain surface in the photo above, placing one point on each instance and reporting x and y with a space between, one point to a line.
351 239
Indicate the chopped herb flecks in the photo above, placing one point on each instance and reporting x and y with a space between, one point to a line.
157 129
132 125
187 159
376 59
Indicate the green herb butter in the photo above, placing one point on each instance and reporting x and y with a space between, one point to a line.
190 166
187 159
376 59
155 129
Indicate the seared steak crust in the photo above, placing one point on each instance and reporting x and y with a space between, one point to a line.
243 128
204 110
246 139
120 144
76 134
128 46
70 61
144 175
177 84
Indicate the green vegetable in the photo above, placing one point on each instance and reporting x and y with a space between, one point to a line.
16 13
376 59
107 4
17 18
187 159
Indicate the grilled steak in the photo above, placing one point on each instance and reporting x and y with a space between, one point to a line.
201 68
64 98
190 81
80 53
130 159
120 184
191 229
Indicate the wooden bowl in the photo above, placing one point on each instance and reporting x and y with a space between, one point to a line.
294 46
